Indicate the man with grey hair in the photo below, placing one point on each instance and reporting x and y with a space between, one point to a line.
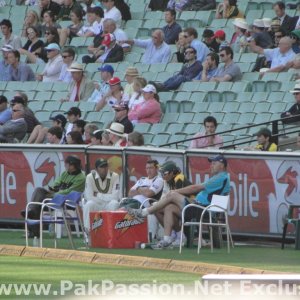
279 56
156 50
16 127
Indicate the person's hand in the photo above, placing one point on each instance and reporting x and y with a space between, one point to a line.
96 85
205 66
39 77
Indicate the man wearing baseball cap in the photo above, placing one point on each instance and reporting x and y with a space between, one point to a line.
121 116
102 86
4 65
218 184
111 51
220 38
209 40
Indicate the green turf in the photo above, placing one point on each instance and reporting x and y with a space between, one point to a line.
42 271
267 258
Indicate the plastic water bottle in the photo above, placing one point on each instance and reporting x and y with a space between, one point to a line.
36 242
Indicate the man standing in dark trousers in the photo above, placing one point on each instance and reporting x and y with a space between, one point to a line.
72 179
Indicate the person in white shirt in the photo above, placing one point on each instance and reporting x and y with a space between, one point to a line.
68 56
102 191
111 11
54 65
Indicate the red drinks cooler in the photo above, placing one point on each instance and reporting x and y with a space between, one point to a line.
116 229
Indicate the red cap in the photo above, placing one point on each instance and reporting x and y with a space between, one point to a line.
114 81
220 34
108 39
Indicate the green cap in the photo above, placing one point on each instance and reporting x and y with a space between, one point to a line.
168 166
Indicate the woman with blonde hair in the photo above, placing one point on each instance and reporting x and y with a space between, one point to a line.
31 19
137 97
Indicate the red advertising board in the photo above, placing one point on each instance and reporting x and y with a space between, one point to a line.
117 229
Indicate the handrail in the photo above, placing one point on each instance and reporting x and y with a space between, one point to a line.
274 133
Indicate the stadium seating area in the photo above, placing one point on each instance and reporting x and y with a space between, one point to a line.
249 101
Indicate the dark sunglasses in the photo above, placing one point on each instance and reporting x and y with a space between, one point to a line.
15 110
222 55
65 56
188 52
47 32
296 93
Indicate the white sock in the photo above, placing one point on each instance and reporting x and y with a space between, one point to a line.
167 239
145 212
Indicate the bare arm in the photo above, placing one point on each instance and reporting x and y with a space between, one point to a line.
145 191
255 48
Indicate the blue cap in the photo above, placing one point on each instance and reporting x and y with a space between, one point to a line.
219 158
107 68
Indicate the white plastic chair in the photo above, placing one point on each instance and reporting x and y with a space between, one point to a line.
219 204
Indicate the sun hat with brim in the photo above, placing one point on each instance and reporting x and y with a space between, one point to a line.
76 67
219 158
149 88
131 71
52 46
267 22
296 89
7 48
240 23
117 129
258 23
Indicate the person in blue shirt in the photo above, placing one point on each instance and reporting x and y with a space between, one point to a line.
218 184
5 111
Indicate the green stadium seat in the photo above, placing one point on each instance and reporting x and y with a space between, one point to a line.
151 24
185 117
43 96
170 118
107 117
224 86
21 85
285 76
244 66
92 116
182 96
121 66
138 14
250 76
43 115
270 76
252 15
133 57
173 67
213 96
231 106
195 23
174 128
260 96
65 106
57 96
246 118
142 127
279 107
163 76
263 117
218 23
51 105
148 138
207 86
190 86
44 86
287 86
198 97
92 68
215 107
156 68
149 76
193 128
165 96
172 106
131 32
86 106
268 13
187 15
142 67
244 96
228 96
240 86
160 139
176 138
186 106
158 128
246 107
219 116
200 116
285 97
273 85
248 57
205 17
258 86
133 24
262 106
35 105
200 107
143 33
150 15
231 118
61 86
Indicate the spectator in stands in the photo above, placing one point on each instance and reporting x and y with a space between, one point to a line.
210 41
294 109
239 40
102 191
105 140
130 74
267 23
149 111
54 65
178 5
201 5
219 183
220 38
89 128
18 71
135 139
287 23
137 97
229 71
207 139
201 48
5 112
39 133
73 114
111 11
31 19
94 17
16 127
54 135
111 52
78 126
124 9
102 87
49 5
210 67
68 56
181 45
66 8
228 9
190 70
279 57
295 36
74 138
264 137
81 86
277 37
8 37
121 116
261 37
72 30
158 5
96 137
33 44
49 20
30 119
156 50
72 179
172 29
4 65
114 96
116 134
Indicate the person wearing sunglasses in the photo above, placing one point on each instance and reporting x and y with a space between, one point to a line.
294 110
295 36
68 56
14 129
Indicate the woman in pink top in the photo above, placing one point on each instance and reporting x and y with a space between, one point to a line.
148 111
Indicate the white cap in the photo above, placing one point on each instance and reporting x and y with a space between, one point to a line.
149 88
